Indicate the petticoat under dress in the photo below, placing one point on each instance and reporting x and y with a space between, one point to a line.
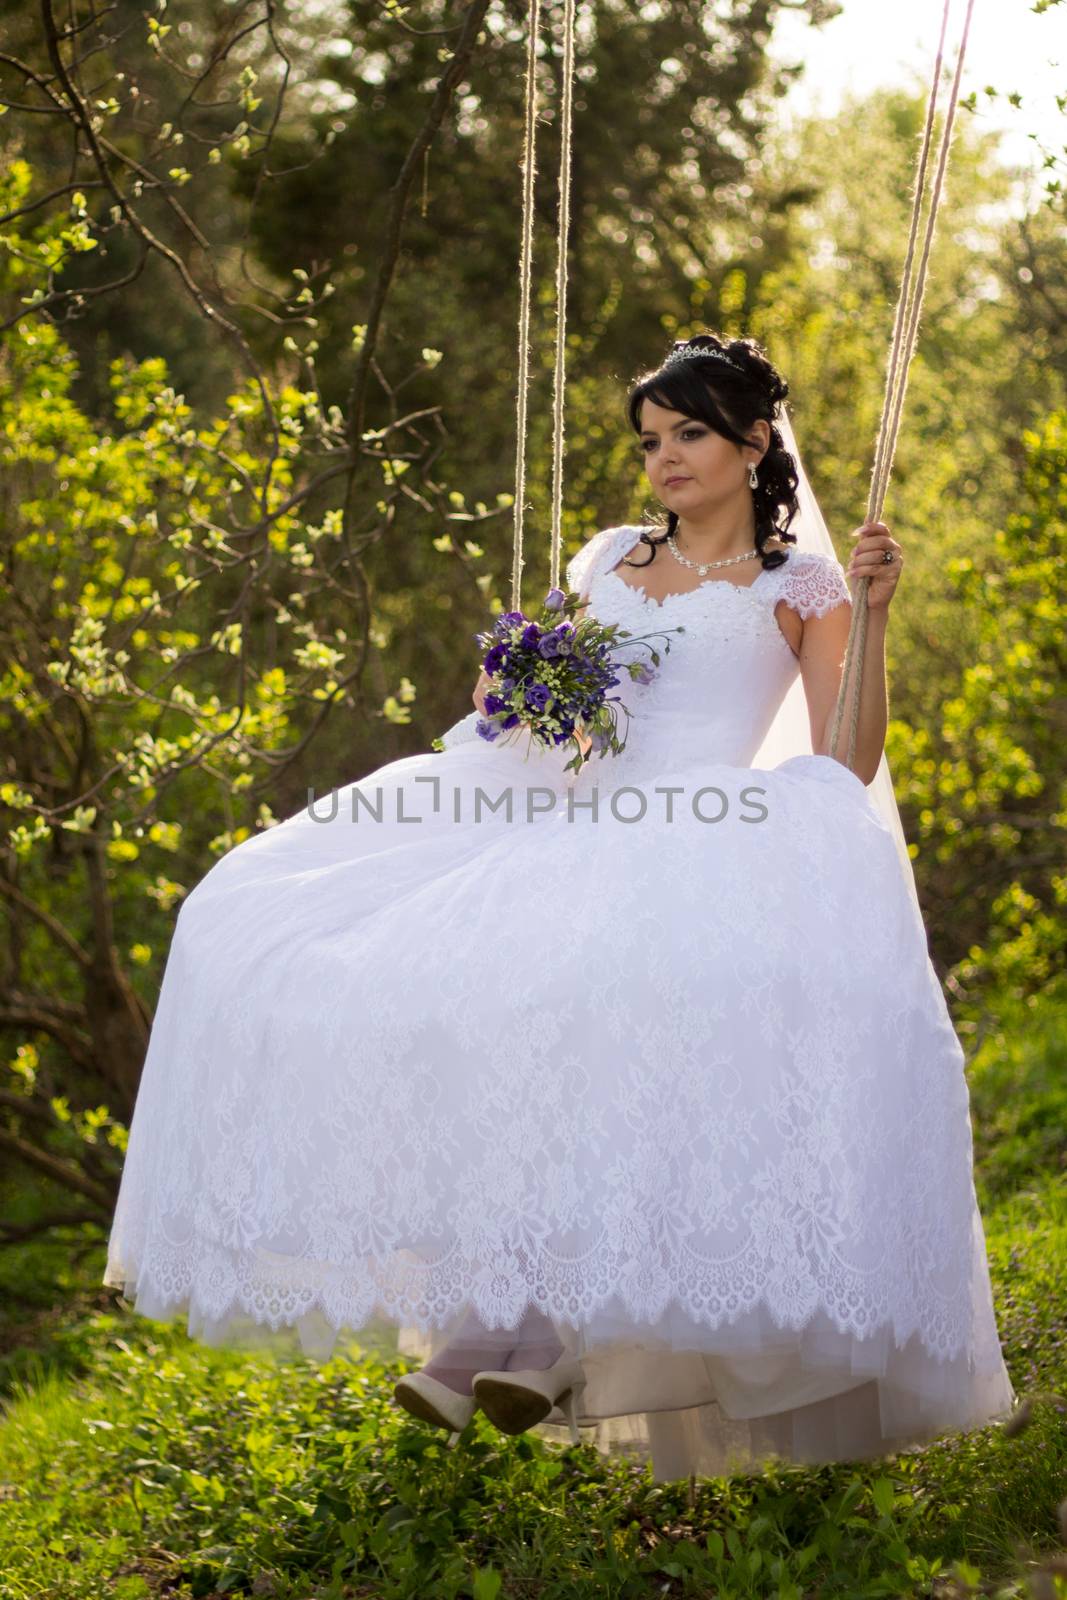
656 1047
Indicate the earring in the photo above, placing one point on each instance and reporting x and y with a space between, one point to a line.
753 479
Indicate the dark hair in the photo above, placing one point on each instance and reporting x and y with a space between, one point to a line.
705 389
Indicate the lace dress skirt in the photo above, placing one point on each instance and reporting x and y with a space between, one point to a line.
637 1079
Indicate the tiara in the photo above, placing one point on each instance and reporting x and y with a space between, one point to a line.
685 351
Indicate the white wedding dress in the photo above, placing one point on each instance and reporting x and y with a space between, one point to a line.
690 1086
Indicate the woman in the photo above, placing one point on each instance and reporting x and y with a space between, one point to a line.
631 1091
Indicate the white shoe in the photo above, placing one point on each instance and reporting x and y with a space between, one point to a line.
432 1401
515 1401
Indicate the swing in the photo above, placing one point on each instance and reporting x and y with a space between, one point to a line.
902 348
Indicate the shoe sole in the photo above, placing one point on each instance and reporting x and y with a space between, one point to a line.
417 1405
510 1409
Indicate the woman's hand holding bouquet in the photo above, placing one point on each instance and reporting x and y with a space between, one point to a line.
550 675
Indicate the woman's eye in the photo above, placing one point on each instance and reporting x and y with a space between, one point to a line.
687 433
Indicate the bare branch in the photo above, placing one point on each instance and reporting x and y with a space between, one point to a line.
450 78
12 1234
60 1171
42 1019
47 920
54 194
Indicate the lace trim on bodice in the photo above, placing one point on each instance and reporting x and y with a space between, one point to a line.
810 582
719 616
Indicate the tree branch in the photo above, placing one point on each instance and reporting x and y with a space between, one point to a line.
60 1219
452 75
61 1172
54 926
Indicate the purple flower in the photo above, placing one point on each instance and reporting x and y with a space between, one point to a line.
584 663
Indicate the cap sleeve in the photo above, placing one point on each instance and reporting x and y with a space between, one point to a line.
598 554
813 583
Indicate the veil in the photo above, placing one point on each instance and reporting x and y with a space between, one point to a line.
790 732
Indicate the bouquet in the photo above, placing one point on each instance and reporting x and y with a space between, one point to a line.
550 676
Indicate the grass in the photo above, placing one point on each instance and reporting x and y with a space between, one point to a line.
134 1463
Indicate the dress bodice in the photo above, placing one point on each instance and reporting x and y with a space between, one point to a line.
716 692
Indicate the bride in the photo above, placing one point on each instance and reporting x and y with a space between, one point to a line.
628 1095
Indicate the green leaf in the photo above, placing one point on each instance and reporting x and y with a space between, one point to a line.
486 1583
882 1495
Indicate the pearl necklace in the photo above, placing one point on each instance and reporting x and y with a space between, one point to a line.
706 566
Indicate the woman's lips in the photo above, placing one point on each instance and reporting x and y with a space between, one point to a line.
671 481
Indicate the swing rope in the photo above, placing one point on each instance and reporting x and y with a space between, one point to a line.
905 338
902 349
559 380
529 168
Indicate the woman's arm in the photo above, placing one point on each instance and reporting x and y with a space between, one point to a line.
822 657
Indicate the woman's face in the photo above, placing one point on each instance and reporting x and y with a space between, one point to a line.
689 465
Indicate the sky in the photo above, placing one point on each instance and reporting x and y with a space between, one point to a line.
875 42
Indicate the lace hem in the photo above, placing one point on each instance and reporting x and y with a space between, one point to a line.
217 1285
